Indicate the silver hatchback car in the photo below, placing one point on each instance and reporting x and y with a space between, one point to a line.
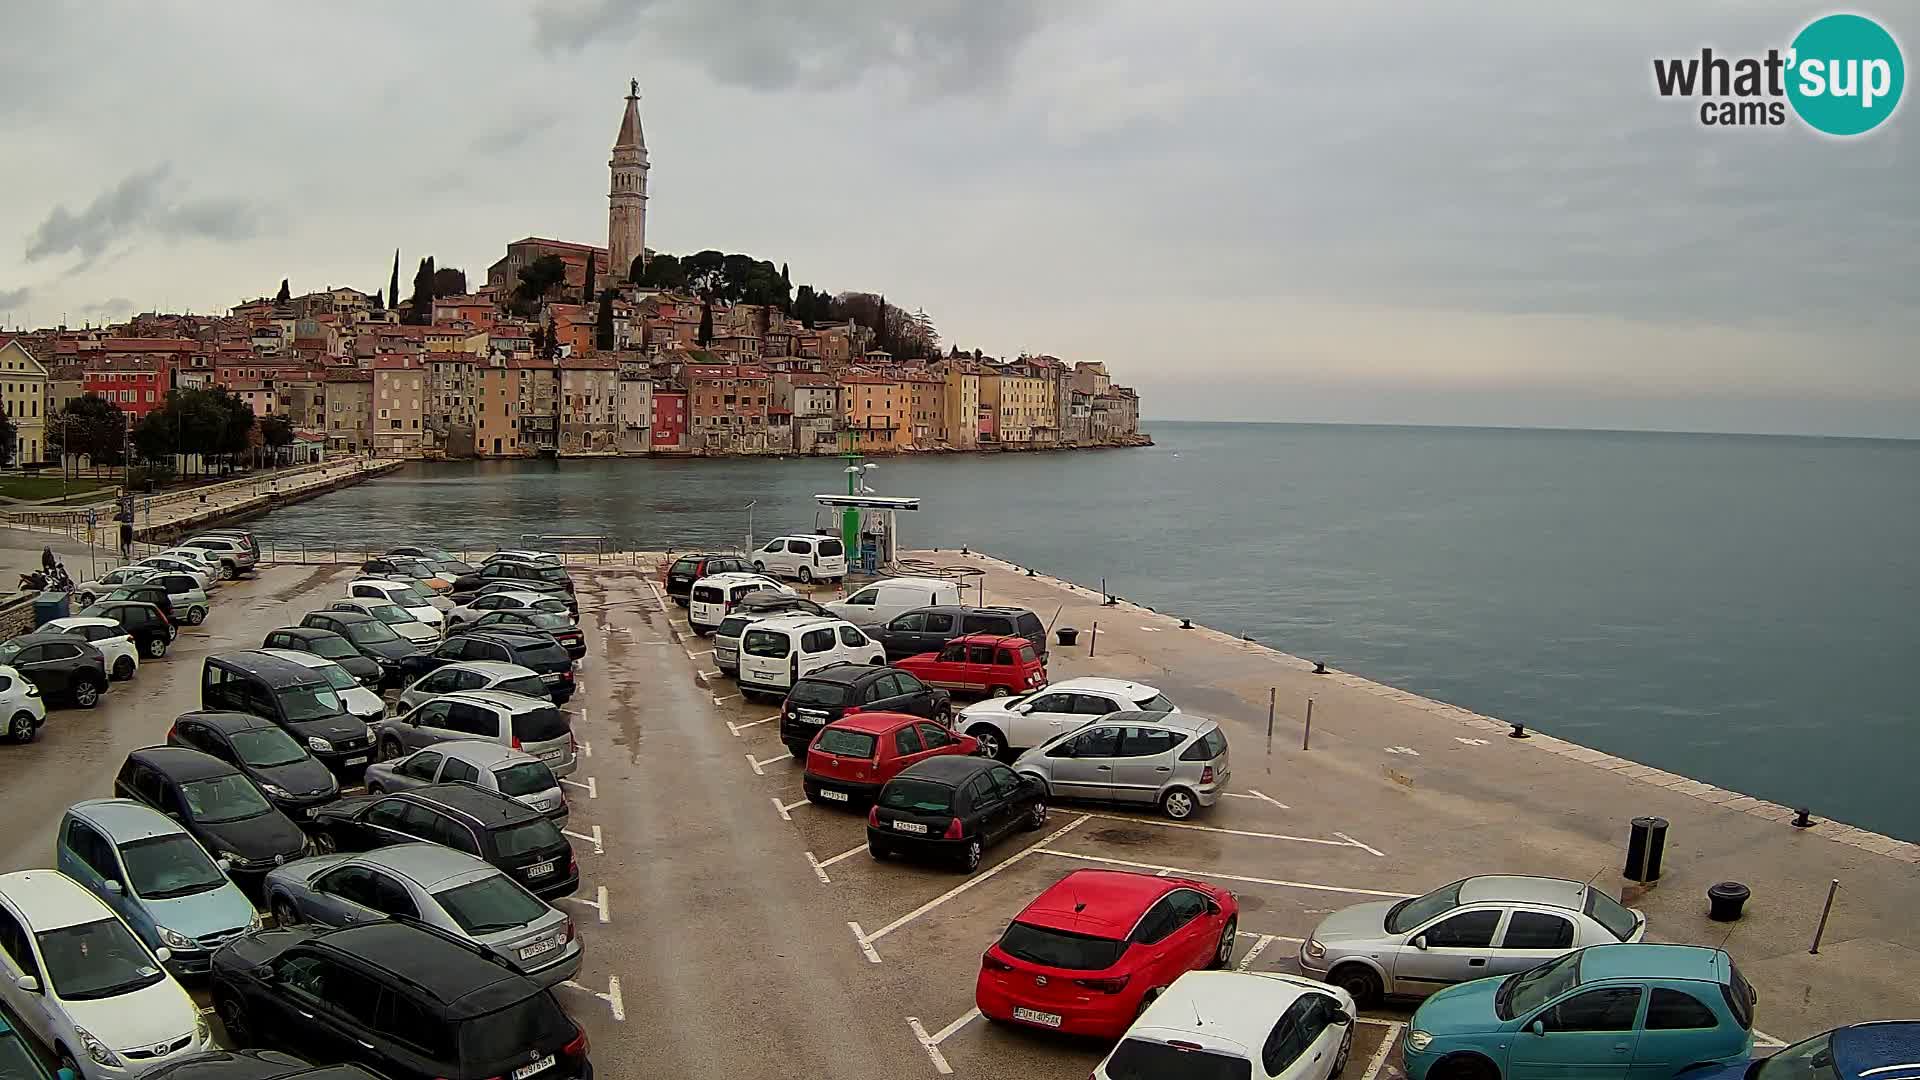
473 675
534 725
1176 761
1470 929
517 775
448 889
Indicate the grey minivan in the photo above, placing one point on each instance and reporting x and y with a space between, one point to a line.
533 725
1176 761
514 773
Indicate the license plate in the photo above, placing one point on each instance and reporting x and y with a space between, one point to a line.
910 826
552 755
814 717
841 796
550 677
539 947
1035 1016
542 869
540 1066
361 760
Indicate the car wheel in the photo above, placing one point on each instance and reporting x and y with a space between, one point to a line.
1178 804
284 913
85 600
944 716
196 616
156 648
1346 1051
323 844
227 572
124 668
1464 1067
390 749
1360 983
1147 999
86 693
1037 817
806 576
759 567
970 858
999 691
992 743
234 1019
22 729
1223 953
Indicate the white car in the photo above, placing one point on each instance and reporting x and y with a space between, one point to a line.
400 593
364 704
878 603
776 652
523 555
1008 725
712 598
107 635
20 706
504 600
172 564
234 554
1235 1023
85 593
398 619
80 979
208 562
808 558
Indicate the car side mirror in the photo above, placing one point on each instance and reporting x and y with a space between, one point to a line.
1213 906
263 972
1342 1017
1538 1027
1420 942
26 984
163 954
113 887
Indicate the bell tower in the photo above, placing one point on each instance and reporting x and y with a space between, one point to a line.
627 197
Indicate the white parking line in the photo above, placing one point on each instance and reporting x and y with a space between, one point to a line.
931 1046
710 675
1314 886
594 839
724 700
1761 1038
585 746
850 852
760 764
599 905
738 728
866 946
1361 846
611 997
820 865
1262 795
1346 842
1253 954
590 787
1379 1058
703 652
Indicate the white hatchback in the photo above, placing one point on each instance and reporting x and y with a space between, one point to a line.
1010 724
112 639
807 558
775 652
712 598
22 710
1233 1023
80 979
403 595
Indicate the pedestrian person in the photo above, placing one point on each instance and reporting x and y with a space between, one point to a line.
126 538
47 561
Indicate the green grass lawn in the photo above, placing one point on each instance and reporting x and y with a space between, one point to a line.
49 486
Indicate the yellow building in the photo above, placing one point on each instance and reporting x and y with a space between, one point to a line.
878 412
958 423
399 406
496 390
24 394
1022 407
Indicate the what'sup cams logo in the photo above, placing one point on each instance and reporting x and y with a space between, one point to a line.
1842 75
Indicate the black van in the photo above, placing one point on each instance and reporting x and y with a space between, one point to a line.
292 696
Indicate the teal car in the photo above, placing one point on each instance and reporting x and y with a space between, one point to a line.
156 876
1607 1012
18 1059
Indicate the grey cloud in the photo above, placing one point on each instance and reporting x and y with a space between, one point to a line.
143 201
114 306
513 133
13 298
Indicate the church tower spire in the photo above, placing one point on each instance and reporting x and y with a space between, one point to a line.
627 197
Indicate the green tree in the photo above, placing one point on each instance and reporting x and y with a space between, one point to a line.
276 434
7 439
448 281
537 279
420 304
660 272
603 338
89 426
803 306
706 321
393 283
586 288
285 293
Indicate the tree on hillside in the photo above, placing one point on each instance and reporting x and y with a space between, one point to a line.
803 306
660 272
449 281
706 321
537 279
906 336
420 304
586 288
285 293
393 284
603 338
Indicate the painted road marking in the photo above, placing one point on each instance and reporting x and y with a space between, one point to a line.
611 997
931 1043
1469 742
590 787
1379 1058
760 764
1187 872
1407 750
860 936
594 839
711 675
724 700
820 865
703 652
1258 794
599 904
738 728
1346 842
783 808
1361 846
1253 954
586 747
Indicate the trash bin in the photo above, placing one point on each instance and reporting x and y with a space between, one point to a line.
1066 635
51 605
1645 844
1725 900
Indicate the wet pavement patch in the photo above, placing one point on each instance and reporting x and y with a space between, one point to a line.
1125 836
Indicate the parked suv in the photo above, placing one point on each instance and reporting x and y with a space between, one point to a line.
112 639
534 725
373 639
808 558
235 555
749 608
534 649
284 770
928 629
1176 761
404 1000
713 597
516 838
147 623
473 675
64 666
513 773
558 625
687 569
509 570
22 709
839 690
1009 725
292 696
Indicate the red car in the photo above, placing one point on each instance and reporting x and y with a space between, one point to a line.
1092 951
981 663
852 758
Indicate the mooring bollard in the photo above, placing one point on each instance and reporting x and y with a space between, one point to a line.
1821 930
1306 737
1093 638
1272 692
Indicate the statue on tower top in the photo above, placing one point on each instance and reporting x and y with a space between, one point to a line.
633 87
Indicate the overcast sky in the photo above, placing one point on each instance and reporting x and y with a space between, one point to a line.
1347 211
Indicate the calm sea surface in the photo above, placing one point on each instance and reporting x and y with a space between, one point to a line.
1745 610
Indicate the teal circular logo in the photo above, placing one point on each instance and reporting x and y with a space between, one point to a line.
1845 74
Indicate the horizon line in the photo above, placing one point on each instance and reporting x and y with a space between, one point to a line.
1145 420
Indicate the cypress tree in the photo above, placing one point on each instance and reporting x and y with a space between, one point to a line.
285 293
706 321
603 323
393 283
586 291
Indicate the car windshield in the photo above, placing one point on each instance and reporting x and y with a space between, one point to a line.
489 1043
916 796
97 960
526 778
1139 1059
408 596
331 647
1060 948
1408 914
1154 703
163 867
764 643
223 798
490 905
731 626
549 573
526 839
818 692
548 603
264 748
1619 921
530 685
545 620
391 614
336 677
540 725
857 744
1809 1060
1529 990
311 701
370 632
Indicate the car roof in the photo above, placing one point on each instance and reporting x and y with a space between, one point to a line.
453 974
797 620
509 635
1172 721
499 699
841 672
1003 609
480 752
427 864
303 632
50 899
78 620
528 594
1222 1010
266 662
1101 903
480 804
181 763
1126 688
734 577
875 723
989 639
37 637
378 583
911 580
304 659
1649 961
345 615
1521 889
952 769
124 820
493 669
227 721
1890 1048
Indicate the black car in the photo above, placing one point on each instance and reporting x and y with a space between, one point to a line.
374 639
145 592
451 569
293 696
826 695
512 570
149 625
928 629
402 999
252 1065
952 807
534 649
283 769
328 646
511 835
216 803
562 628
66 667
688 569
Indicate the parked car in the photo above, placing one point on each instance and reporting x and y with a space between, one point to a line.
145 592
1582 1015
1099 945
1237 1024
361 703
423 1004
83 983
185 595
473 675
20 702
952 807
64 666
205 564
115 643
775 653
425 608
448 890
523 555
19 1057
1009 725
253 1065
508 570
981 664
507 834
284 770
156 877
1470 929
328 646
199 572
1176 761
397 618
414 571
245 536
1873 1050
236 557
928 629
147 623
689 568
374 639
528 648
878 603
507 599
807 558
293 696
534 725
839 690
557 625
87 592
514 773
216 803
851 759
418 551
713 597
748 609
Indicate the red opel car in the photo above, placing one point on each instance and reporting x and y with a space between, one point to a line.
852 758
1092 951
981 664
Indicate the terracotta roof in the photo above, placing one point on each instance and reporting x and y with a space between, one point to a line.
394 363
562 244
149 345
589 363
348 375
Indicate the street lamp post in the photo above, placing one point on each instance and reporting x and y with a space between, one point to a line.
750 505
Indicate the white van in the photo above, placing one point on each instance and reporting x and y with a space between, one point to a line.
775 652
713 597
808 558
879 602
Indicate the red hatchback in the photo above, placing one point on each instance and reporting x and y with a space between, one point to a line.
1092 951
852 758
982 664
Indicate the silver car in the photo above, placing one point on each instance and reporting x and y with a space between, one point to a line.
398 619
504 600
1176 761
473 675
534 725
1470 929
514 773
448 889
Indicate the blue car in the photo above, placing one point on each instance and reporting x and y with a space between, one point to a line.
18 1058
1876 1050
1607 1012
156 876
